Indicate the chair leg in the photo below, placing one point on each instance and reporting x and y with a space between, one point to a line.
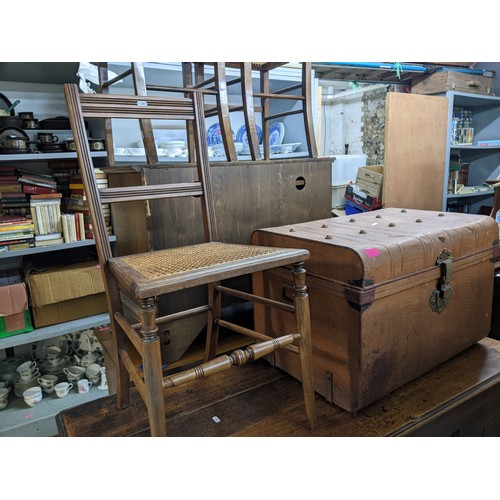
152 367
215 302
303 320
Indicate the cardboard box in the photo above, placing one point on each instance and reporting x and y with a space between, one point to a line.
369 179
360 199
442 81
66 293
14 314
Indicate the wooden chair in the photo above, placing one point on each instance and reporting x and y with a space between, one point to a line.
304 97
220 83
144 277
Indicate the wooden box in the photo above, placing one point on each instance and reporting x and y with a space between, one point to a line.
442 81
393 293
369 179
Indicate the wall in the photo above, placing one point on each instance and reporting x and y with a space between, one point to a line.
354 119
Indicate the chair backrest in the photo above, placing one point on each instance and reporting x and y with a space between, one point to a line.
115 106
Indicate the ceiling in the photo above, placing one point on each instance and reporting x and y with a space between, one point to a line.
379 72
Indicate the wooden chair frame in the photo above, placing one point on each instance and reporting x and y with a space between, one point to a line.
144 277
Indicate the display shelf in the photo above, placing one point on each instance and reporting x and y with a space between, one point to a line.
474 147
130 159
469 195
50 248
484 161
48 332
46 156
20 420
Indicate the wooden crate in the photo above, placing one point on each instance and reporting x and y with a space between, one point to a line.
369 179
372 280
443 81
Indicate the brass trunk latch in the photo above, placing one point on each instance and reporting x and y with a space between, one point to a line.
441 296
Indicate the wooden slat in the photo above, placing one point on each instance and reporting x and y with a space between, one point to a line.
280 96
127 106
135 193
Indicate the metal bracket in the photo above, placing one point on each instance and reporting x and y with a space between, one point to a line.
441 296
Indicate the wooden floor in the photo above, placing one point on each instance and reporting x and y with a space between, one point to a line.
460 397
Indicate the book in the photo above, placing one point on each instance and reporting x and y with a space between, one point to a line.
31 189
54 241
45 196
10 188
43 237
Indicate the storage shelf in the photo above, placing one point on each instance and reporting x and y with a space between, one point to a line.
21 420
474 147
49 248
47 156
131 159
48 332
468 195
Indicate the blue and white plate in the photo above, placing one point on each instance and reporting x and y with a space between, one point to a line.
276 133
241 135
214 135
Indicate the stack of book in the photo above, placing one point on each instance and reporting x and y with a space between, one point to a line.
62 172
16 232
8 180
77 202
46 214
14 204
73 227
31 182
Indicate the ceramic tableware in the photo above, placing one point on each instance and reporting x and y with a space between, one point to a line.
83 386
62 389
47 382
33 396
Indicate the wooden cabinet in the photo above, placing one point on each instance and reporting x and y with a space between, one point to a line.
415 151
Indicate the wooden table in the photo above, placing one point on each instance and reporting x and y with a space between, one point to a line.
458 398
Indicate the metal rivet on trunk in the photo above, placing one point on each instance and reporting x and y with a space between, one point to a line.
362 231
292 230
441 238
352 220
440 214
328 237
392 224
418 220
324 225
403 211
378 217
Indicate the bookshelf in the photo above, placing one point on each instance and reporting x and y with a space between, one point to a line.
42 421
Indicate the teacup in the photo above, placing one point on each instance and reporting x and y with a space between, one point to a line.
93 370
74 373
26 366
32 396
26 376
47 137
62 389
83 386
95 379
4 392
53 352
47 382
